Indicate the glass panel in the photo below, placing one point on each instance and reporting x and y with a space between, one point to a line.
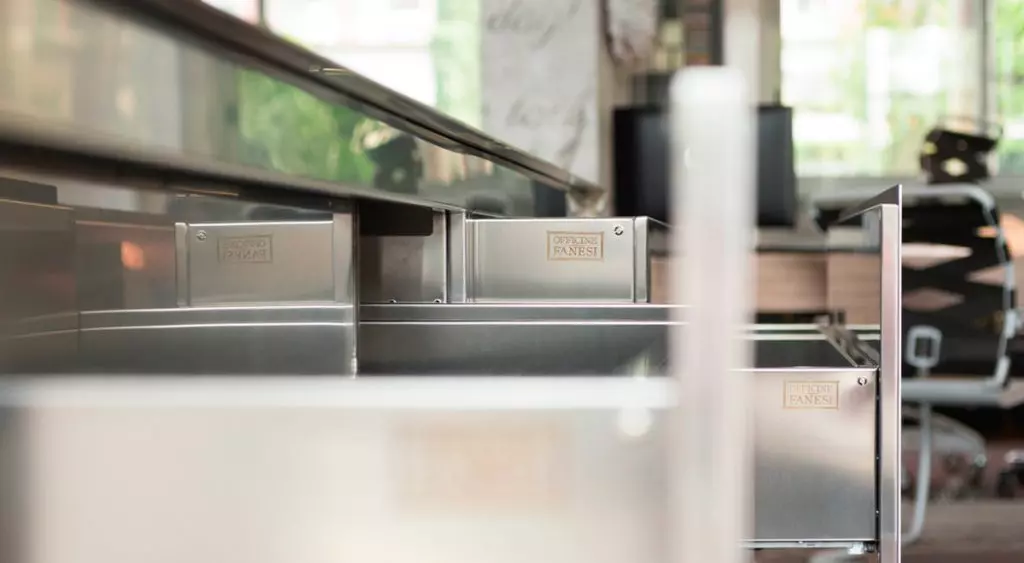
1007 23
96 74
428 50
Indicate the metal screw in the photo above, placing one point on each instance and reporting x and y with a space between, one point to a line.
618 230
201 235
437 301
862 380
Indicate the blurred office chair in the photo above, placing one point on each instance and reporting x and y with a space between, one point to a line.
957 277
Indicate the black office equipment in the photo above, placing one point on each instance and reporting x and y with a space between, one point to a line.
548 202
642 168
951 156
27 192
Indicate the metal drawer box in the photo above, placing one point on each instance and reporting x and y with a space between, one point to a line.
815 430
559 260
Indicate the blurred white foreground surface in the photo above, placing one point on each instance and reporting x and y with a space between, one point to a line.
386 473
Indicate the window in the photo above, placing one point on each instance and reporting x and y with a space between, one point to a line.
247 10
868 78
1007 82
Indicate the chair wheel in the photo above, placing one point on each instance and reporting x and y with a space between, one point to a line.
1006 484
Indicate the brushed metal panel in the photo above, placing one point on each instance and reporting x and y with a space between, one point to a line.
158 298
310 340
876 225
124 260
405 268
260 261
511 312
554 339
814 464
553 259
526 348
459 251
642 260
38 297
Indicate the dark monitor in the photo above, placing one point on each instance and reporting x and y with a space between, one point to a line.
549 202
27 192
642 168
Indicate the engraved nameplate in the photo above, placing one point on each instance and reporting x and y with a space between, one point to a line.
811 395
245 250
575 246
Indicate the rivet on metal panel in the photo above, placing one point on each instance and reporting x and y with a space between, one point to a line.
862 380
201 235
618 230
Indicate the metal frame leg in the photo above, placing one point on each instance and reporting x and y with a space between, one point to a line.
924 477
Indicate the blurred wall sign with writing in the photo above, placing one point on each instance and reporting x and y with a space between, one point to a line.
540 81
632 29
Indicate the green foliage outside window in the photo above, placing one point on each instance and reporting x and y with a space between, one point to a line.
297 133
1008 24
908 115
456 53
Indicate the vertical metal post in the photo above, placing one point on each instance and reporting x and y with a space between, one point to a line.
711 457
457 256
890 416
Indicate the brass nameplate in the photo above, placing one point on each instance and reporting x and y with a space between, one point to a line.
811 395
245 250
575 246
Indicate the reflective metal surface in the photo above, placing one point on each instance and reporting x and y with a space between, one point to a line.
206 280
180 284
815 425
878 223
38 301
408 268
301 340
556 339
409 467
187 88
257 261
513 340
592 259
